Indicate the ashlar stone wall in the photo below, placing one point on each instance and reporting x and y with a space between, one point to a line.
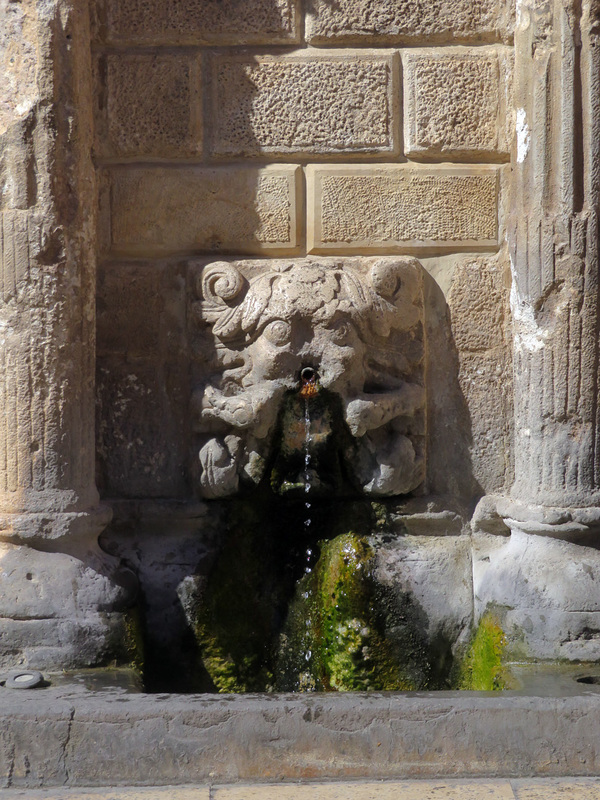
141 140
279 128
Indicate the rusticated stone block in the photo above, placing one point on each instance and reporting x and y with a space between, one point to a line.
150 107
387 208
382 21
234 209
205 22
453 104
304 104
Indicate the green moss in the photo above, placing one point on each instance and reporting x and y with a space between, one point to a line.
336 637
482 668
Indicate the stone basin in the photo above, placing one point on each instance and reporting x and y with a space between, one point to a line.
93 727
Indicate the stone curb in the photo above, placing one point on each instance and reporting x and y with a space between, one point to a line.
69 737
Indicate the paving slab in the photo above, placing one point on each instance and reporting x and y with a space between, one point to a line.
557 789
138 793
406 790
441 789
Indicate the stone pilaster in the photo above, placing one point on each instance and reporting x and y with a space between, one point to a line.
60 602
553 238
541 577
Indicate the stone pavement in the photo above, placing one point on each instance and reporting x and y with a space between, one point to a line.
493 789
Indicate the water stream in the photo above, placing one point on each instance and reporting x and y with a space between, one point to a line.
305 678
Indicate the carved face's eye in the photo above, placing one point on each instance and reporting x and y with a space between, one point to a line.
278 332
341 333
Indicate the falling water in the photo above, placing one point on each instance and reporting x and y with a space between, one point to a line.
307 520
306 678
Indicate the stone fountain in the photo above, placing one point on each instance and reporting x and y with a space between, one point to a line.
311 410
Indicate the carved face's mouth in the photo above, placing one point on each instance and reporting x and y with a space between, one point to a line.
309 382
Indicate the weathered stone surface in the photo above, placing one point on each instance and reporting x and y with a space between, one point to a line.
131 310
72 736
304 104
573 788
46 586
142 449
452 789
143 383
189 22
453 104
48 498
478 302
544 592
150 105
391 207
555 261
33 752
436 571
358 324
372 21
157 210
168 544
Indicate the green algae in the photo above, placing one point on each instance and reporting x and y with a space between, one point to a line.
482 668
336 636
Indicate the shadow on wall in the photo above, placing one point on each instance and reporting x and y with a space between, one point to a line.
449 464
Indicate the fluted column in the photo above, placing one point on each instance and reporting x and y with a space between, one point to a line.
553 238
60 601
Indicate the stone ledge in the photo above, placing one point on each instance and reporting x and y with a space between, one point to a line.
309 103
395 208
158 211
68 736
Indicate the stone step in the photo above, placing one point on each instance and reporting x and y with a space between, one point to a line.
522 789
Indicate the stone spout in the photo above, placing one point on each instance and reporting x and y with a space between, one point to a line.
309 382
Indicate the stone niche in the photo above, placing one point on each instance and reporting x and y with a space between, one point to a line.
358 323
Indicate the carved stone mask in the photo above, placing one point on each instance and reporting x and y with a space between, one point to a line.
357 322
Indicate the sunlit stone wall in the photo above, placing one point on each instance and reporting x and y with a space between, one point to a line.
279 128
